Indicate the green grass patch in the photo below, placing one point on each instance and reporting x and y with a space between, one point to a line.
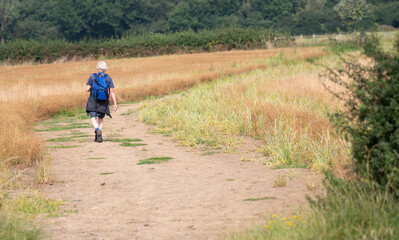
154 160
114 135
124 140
66 127
128 144
74 134
71 211
298 165
60 139
30 204
70 112
64 146
81 136
107 173
165 133
258 199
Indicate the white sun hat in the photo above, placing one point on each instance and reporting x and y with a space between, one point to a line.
102 65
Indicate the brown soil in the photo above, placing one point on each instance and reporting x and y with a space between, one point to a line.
192 196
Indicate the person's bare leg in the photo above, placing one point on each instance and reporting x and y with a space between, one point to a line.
99 132
100 123
94 122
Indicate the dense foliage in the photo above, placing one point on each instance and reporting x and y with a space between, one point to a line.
76 20
372 117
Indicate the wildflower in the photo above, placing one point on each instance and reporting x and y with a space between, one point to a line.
288 223
283 219
271 222
267 226
274 215
295 217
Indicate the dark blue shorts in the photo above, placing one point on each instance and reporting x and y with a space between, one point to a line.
95 114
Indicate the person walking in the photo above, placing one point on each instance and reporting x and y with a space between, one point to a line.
100 86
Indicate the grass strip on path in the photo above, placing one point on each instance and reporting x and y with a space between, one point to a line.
153 160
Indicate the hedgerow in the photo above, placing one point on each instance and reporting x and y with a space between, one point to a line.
141 45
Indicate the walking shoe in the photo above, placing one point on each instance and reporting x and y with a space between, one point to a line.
95 135
99 136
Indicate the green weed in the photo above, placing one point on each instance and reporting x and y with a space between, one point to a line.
107 173
65 112
64 146
30 204
60 139
124 140
154 160
67 127
71 211
299 165
280 181
128 144
259 199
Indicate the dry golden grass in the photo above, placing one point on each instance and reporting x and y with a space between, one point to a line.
300 100
35 81
291 91
34 92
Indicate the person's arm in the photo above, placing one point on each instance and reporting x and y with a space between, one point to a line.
112 91
89 83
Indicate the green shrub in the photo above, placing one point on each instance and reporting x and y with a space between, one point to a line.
371 121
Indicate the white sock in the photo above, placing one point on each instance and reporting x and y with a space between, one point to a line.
94 122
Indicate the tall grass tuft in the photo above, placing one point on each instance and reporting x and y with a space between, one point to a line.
349 211
14 227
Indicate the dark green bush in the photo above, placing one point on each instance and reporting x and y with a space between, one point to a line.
372 118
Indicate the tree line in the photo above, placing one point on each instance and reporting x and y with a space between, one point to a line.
74 20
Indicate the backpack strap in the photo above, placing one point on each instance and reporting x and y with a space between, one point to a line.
97 75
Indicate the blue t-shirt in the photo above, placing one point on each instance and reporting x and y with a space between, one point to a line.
110 83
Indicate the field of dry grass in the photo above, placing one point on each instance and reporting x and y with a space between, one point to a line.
27 82
31 93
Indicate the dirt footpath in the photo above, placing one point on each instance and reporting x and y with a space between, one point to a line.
191 196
